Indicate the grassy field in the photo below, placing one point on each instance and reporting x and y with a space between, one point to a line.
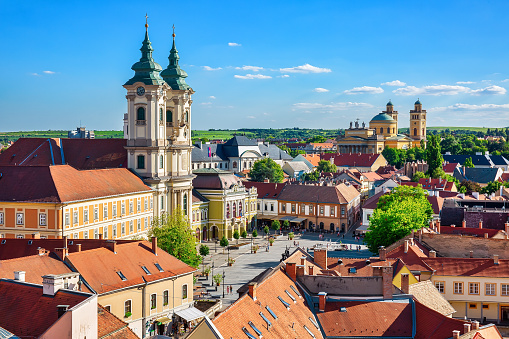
13 136
477 129
223 135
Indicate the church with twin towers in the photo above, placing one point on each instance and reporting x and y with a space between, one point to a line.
157 128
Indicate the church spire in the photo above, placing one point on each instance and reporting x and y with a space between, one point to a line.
146 70
173 74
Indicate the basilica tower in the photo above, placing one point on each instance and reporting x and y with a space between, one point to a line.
157 127
418 122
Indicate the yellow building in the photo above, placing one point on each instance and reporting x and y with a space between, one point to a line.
58 201
231 206
383 132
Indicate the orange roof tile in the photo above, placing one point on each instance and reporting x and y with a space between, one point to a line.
413 259
35 266
431 324
99 267
362 268
314 159
473 267
111 327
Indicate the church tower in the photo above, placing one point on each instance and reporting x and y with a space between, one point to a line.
418 122
158 130
389 109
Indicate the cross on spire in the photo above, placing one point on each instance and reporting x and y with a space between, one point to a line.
146 21
173 35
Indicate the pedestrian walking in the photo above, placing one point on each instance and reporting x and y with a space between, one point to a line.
231 289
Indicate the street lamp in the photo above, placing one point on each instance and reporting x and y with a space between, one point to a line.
223 283
228 255
212 277
251 243
215 245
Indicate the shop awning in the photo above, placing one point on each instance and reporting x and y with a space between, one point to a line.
163 320
190 314
298 219
288 217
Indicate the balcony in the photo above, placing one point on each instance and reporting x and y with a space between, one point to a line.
141 122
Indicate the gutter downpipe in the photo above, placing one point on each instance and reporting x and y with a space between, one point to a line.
143 308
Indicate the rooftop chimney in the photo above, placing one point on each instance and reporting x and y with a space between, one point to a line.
112 245
464 223
320 258
291 270
456 334
480 224
471 254
475 325
65 241
405 283
438 226
78 247
41 251
495 259
154 245
51 283
466 328
19 275
432 254
382 253
322 300
407 243
61 309
486 235
62 252
387 282
252 290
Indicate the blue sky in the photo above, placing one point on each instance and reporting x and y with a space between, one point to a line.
262 64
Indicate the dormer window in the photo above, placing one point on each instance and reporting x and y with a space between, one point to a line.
121 275
145 270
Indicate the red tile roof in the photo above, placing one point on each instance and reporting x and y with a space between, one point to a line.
413 259
245 309
266 190
111 327
26 312
436 203
339 194
433 184
505 176
473 267
372 176
63 183
431 324
367 319
362 269
389 169
35 266
352 159
79 153
312 158
372 202
99 267
468 231
450 167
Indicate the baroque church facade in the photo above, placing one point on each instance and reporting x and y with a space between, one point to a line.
383 132
157 129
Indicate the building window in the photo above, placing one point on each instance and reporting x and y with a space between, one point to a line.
131 227
234 210
67 219
161 161
283 207
42 219
1 218
165 298
258 206
162 203
240 208
272 207
321 210
131 207
85 215
20 218
169 117
141 161
440 285
186 116
491 289
153 299
76 236
151 203
105 211
114 209
342 211
184 291
185 203
138 205
234 164
473 288
127 308
96 213
139 225
146 223
145 203
293 208
505 289
122 208
161 115
381 130
105 232
85 235
140 114
266 207
96 233
114 231
485 306
122 229
332 211
472 306
458 288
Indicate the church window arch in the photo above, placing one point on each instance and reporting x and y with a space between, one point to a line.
234 164
234 210
381 130
169 116
160 114
415 131
227 211
388 130
141 161
185 203
240 209
140 113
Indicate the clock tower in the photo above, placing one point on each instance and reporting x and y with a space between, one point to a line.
157 127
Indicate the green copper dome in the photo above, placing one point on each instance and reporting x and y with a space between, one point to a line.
382 117
173 74
418 102
146 70
390 103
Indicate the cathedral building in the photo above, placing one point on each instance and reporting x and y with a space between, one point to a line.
383 132
157 129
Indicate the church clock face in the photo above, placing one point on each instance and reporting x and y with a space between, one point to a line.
140 91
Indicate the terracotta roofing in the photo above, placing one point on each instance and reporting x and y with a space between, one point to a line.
367 319
485 332
372 202
472 267
340 194
389 169
16 248
450 167
111 327
26 312
312 158
413 259
505 176
79 153
433 184
362 267
426 293
211 178
436 203
231 322
372 176
266 190
64 183
99 267
468 231
352 159
35 266
434 325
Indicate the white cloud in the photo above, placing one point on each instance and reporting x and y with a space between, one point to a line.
208 68
465 82
253 76
394 83
35 74
266 113
48 72
306 68
285 76
251 117
212 97
206 103
334 106
505 80
497 90
365 90
320 90
469 107
234 44
432 90
250 68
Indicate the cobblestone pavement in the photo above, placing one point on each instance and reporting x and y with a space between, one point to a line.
248 265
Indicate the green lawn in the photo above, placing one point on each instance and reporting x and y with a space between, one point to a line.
13 136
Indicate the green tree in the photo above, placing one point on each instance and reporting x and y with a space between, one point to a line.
236 235
405 209
468 162
243 234
286 224
492 187
266 168
266 230
276 225
204 250
174 235
312 176
434 155
317 139
417 176
326 166
255 233
468 186
224 242
392 156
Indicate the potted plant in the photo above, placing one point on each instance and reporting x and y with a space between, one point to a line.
291 235
236 235
255 248
243 234
217 279
271 241
231 261
207 272
127 314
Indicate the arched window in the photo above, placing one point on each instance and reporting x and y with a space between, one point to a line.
161 114
415 131
227 211
234 210
388 130
240 208
141 162
169 116
140 113
161 161
186 116
423 132
381 130
234 164
185 203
